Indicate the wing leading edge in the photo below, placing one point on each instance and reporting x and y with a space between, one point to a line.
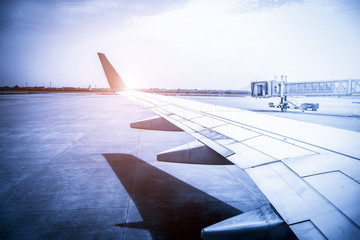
311 177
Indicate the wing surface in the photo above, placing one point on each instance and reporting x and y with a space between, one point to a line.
310 173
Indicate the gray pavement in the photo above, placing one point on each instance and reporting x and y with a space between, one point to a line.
72 168
338 112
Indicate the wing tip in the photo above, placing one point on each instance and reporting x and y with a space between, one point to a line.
114 79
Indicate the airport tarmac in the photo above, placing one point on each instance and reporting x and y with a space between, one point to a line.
72 168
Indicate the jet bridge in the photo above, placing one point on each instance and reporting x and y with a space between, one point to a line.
284 89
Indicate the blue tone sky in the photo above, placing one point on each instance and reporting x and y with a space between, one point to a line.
202 44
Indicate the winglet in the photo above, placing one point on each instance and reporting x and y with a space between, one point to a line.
115 81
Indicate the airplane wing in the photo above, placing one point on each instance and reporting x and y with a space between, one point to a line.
310 173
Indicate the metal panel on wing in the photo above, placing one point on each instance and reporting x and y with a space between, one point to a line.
341 191
276 148
307 231
285 190
189 114
236 132
325 162
208 122
253 156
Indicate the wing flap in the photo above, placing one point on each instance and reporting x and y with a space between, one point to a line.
208 122
236 133
276 148
339 189
223 151
307 230
297 201
250 156
285 191
189 114
325 162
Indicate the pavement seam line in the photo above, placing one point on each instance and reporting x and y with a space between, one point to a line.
55 157
132 182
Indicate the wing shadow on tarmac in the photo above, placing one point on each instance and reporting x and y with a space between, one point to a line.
169 207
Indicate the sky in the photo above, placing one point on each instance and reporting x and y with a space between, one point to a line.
203 44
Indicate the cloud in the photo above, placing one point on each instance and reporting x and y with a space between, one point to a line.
86 7
206 43
192 44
